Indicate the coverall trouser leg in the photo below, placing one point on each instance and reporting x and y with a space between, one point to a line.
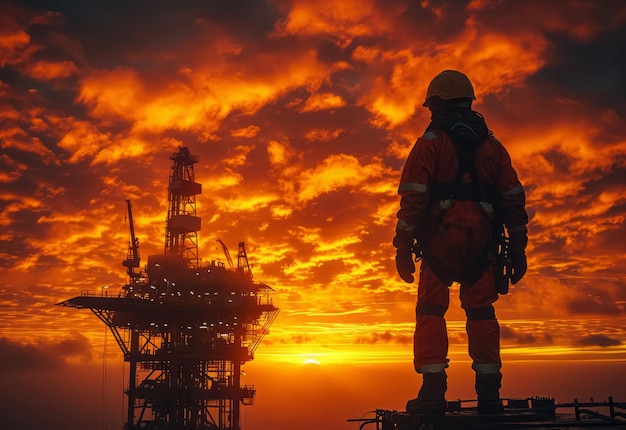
431 338
483 330
430 341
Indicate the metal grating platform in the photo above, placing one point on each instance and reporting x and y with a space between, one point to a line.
532 413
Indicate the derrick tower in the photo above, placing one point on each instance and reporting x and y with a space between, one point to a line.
185 327
182 225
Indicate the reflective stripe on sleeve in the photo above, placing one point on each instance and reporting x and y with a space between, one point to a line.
518 189
429 135
404 227
412 186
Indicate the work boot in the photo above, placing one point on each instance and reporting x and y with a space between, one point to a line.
488 391
431 397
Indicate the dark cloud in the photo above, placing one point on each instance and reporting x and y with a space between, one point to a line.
611 179
43 355
610 239
78 346
255 18
549 244
598 340
418 17
588 70
559 160
591 304
509 334
385 337
300 338
325 272
136 32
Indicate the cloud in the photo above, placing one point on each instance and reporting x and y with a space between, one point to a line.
334 172
301 114
318 102
248 132
511 335
49 70
385 337
574 75
280 154
43 355
323 17
598 340
593 305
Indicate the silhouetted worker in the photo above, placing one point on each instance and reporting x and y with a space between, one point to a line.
458 189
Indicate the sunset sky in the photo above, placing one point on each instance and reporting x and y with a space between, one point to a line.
302 113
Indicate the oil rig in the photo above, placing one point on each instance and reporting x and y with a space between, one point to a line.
185 327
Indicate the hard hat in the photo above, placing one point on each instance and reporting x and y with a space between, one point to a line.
450 84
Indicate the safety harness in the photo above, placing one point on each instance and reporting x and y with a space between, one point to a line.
466 142
459 190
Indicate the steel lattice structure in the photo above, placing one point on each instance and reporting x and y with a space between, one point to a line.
185 327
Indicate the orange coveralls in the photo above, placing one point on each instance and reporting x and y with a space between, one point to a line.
434 159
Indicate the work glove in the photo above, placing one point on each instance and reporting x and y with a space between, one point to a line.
405 264
517 247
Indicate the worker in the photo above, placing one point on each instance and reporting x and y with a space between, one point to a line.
460 201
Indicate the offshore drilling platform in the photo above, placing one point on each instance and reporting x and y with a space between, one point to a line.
185 327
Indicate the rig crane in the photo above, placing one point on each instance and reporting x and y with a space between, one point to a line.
132 258
226 254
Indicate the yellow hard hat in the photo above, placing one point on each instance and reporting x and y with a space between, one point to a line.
450 84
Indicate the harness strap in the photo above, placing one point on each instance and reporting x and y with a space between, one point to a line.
459 190
462 191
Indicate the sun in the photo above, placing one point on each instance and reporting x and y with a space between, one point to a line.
311 361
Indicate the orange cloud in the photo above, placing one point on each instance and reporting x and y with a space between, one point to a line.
18 139
279 153
395 100
334 172
342 22
13 46
318 102
11 171
111 94
199 98
323 135
84 140
47 70
248 132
